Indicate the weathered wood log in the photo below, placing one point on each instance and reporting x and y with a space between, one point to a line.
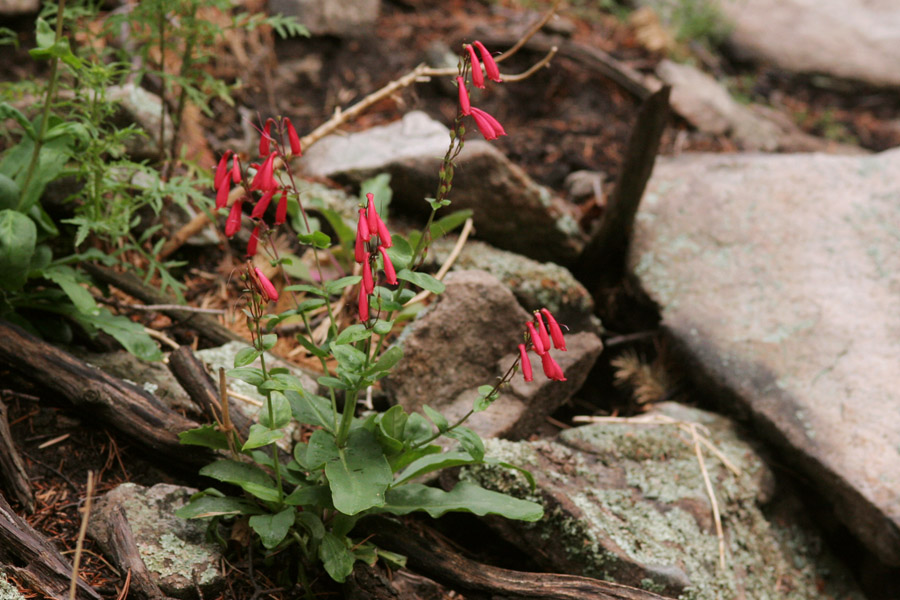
206 327
429 554
137 414
13 475
33 560
124 552
602 262
200 386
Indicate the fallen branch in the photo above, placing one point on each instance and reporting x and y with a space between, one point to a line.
207 327
432 556
32 559
137 414
13 475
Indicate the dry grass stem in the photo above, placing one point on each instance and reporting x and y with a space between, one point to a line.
717 518
79 544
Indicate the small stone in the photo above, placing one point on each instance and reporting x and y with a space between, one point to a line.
584 186
142 108
19 7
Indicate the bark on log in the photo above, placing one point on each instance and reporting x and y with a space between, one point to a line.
208 328
13 475
197 382
33 560
429 554
124 552
126 407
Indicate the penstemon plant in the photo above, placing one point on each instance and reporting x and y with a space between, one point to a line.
307 501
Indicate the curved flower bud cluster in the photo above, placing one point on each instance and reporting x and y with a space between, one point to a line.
372 239
541 335
264 181
489 127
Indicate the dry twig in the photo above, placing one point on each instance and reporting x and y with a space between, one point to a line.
82 531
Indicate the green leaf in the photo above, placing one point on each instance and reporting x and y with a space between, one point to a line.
202 507
260 435
382 327
360 474
272 529
348 356
400 252
337 286
9 189
487 394
410 456
268 341
434 462
345 233
393 421
465 497
312 348
245 356
310 495
352 334
447 224
320 449
423 280
238 473
332 382
317 239
268 494
312 523
417 429
390 358
67 279
437 418
18 236
281 412
311 409
469 440
309 289
205 435
336 557
380 187
251 375
128 333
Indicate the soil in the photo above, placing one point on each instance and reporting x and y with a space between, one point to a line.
563 119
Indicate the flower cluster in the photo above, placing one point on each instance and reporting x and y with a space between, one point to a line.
264 182
372 239
540 342
489 127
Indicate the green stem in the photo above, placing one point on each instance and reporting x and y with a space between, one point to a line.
45 114
347 417
276 461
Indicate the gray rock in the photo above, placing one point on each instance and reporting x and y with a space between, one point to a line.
535 285
7 590
142 108
468 338
19 7
628 503
343 18
778 279
708 106
851 39
174 550
510 210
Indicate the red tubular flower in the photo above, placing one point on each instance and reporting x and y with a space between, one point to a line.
362 227
389 273
526 363
293 138
490 67
489 127
464 105
233 222
368 281
265 138
384 236
254 240
542 331
363 305
477 75
266 289
536 339
264 178
260 209
221 170
281 211
236 169
559 342
222 196
551 369
359 249
371 213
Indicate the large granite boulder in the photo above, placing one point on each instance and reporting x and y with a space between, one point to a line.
511 211
627 502
778 278
850 39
